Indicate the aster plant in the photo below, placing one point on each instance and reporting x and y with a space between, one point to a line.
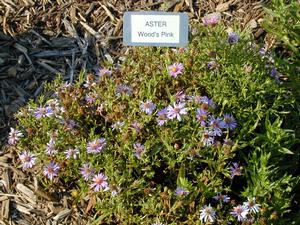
168 137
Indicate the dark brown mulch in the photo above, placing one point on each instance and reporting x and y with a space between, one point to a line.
40 39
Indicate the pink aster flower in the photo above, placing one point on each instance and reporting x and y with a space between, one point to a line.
201 116
148 107
96 146
211 19
27 159
139 149
43 112
252 205
71 153
91 98
99 182
222 198
86 171
175 69
103 71
207 214
53 104
51 170
136 126
216 124
180 96
162 117
181 191
207 138
235 170
123 89
14 136
50 149
205 102
176 111
117 125
240 212
69 124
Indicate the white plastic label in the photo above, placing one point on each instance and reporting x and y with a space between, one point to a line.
155 29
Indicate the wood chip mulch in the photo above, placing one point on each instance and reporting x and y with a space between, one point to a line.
40 39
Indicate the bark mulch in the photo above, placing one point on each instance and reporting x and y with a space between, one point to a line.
42 38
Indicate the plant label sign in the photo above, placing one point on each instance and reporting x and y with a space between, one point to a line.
155 29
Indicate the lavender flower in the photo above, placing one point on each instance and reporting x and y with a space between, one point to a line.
14 136
53 104
162 117
175 69
27 159
71 153
222 198
207 214
176 111
204 101
100 109
181 191
148 107
240 212
51 170
69 124
50 149
262 51
180 96
137 126
91 98
251 205
103 71
117 125
216 124
43 112
229 122
114 190
211 65
274 72
139 149
207 138
89 83
233 38
201 116
123 89
235 170
96 146
86 171
99 182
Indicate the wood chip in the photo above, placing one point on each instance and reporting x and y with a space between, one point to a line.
5 209
62 214
223 7
28 193
23 208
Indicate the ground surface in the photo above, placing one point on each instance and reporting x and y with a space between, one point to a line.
39 39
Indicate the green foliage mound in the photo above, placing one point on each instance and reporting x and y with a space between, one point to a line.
172 136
